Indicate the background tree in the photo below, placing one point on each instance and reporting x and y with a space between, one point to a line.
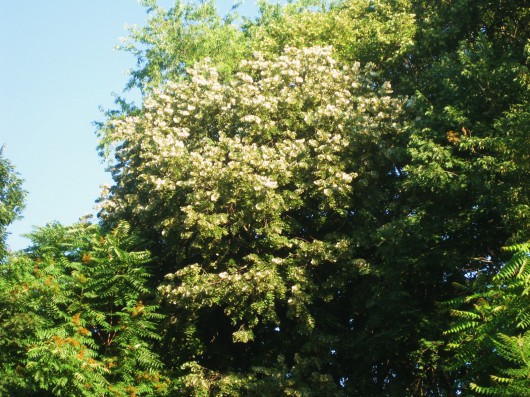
175 39
11 199
465 195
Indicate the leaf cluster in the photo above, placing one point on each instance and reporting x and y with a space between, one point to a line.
491 333
75 318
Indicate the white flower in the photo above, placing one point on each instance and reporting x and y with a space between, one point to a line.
251 119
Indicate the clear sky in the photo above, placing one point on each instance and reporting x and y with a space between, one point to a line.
57 68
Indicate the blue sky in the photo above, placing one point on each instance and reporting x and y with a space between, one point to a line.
58 67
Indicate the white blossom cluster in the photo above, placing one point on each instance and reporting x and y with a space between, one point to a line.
229 165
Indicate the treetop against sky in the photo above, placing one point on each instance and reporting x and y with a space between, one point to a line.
59 69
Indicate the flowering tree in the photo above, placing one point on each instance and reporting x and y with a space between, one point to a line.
252 185
304 219
306 231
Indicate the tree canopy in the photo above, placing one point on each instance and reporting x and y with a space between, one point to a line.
251 185
319 202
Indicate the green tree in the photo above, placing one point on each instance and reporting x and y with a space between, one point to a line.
11 199
250 184
175 39
465 194
379 33
74 317
366 308
432 198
